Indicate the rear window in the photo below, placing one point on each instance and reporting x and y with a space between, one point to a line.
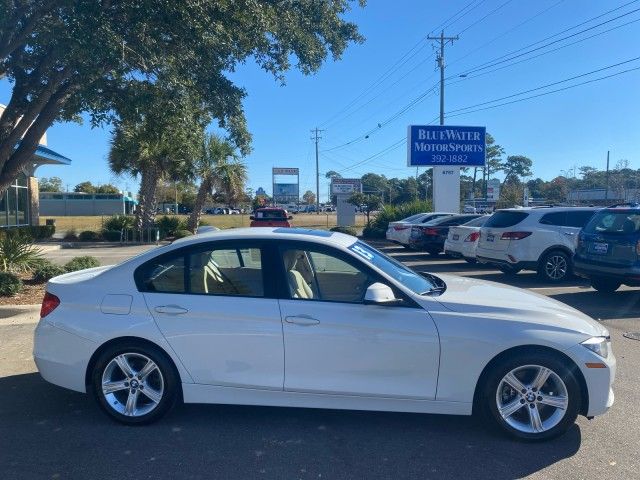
270 214
412 217
622 223
504 219
476 222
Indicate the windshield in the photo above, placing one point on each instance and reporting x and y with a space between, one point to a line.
622 223
270 214
396 270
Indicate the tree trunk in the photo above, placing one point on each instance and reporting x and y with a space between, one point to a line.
473 184
148 201
201 198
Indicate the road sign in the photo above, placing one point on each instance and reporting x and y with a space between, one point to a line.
445 145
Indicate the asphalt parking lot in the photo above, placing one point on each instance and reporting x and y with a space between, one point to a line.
47 432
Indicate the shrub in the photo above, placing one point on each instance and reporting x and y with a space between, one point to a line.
71 235
168 226
17 252
392 213
37 232
182 233
10 284
119 222
348 230
111 235
46 271
89 236
80 263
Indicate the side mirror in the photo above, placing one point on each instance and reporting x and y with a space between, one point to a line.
252 217
380 294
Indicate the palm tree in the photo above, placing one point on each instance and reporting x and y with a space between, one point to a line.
218 168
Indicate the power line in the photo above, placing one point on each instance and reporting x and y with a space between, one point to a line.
486 16
501 59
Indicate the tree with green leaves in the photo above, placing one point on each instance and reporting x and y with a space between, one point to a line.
107 188
85 187
158 143
516 167
309 197
66 57
219 168
368 201
50 184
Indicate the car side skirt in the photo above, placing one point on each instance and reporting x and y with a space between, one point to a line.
198 393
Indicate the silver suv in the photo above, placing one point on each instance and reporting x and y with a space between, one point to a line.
540 238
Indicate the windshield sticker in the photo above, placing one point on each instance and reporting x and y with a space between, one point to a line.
361 251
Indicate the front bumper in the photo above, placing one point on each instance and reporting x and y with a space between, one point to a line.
62 357
599 381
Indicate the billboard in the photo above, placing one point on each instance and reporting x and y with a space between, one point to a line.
285 191
285 171
444 145
345 186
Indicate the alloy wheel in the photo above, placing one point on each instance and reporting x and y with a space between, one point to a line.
532 399
132 384
556 267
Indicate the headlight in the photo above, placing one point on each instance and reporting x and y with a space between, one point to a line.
599 345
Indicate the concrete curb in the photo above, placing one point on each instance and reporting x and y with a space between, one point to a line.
19 314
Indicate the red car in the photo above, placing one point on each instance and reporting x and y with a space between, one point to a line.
270 217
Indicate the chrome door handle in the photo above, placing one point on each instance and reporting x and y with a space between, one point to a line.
569 233
304 320
171 309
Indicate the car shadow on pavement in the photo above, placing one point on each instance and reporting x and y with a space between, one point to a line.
603 306
50 432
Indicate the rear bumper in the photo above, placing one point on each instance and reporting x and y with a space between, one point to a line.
588 269
500 262
426 243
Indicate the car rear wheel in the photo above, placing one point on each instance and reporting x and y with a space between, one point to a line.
605 285
434 252
532 396
135 384
555 266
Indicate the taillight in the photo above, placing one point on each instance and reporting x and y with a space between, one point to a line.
638 248
515 235
49 304
472 237
429 231
399 227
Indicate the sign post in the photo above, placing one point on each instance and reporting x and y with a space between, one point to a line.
446 149
343 188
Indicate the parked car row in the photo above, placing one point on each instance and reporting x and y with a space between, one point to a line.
602 245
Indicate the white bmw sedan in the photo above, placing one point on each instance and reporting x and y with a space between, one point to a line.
303 318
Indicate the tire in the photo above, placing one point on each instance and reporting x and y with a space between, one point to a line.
509 270
555 266
556 401
472 261
151 396
434 252
605 285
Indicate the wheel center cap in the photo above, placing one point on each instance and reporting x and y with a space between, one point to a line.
134 384
530 397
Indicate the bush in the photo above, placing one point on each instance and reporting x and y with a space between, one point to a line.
70 235
80 263
168 226
111 235
46 271
119 222
182 233
392 213
348 230
89 236
17 252
36 232
10 284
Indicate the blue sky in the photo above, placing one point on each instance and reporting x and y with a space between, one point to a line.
557 131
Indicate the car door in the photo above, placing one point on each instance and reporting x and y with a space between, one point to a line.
215 309
337 344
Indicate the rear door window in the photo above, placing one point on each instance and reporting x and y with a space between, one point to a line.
505 219
621 223
579 219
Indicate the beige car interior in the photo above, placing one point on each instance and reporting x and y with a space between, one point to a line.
315 276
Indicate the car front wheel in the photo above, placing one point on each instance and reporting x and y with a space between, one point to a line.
532 397
135 384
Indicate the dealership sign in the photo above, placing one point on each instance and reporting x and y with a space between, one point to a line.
444 145
285 171
341 186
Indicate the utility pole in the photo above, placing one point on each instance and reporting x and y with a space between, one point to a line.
445 187
442 40
316 137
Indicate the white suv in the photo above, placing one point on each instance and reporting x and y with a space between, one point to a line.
541 239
